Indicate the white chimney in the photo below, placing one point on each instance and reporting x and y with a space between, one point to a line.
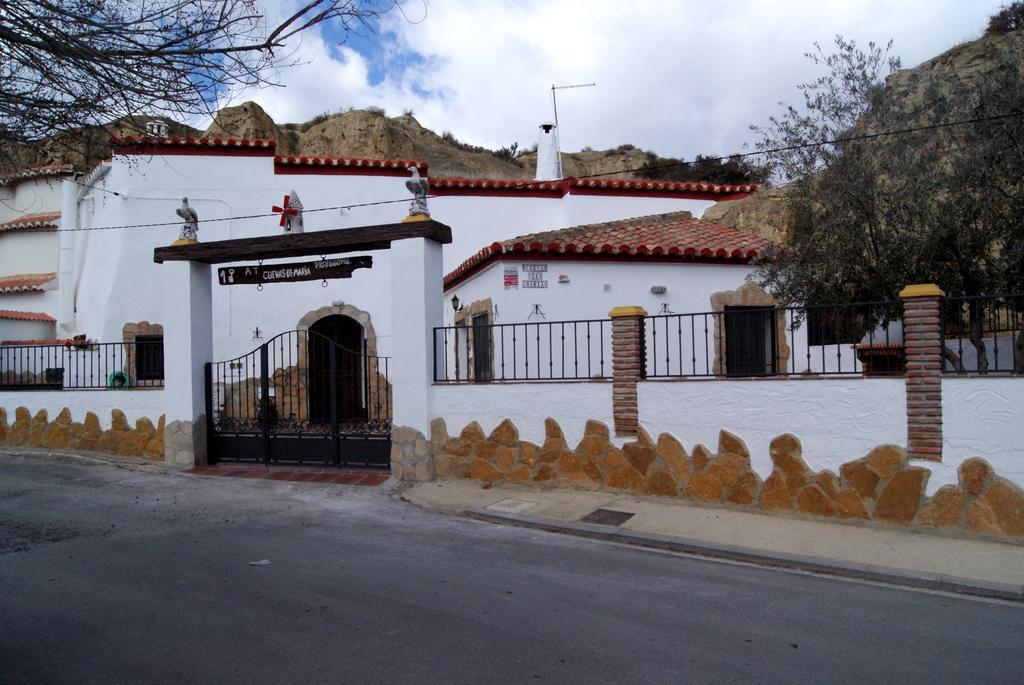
549 161
156 128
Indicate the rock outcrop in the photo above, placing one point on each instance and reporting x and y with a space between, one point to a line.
767 213
248 120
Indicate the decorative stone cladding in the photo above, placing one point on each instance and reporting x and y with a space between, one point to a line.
144 440
410 455
881 486
922 342
628 362
129 332
464 317
185 442
747 295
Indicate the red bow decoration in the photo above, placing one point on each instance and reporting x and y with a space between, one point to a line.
285 211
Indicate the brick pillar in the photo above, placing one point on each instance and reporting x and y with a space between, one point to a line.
922 342
628 360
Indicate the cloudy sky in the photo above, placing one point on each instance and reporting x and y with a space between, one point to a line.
678 77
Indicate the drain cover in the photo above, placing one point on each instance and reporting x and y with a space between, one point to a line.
607 517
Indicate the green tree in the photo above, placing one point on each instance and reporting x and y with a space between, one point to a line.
942 205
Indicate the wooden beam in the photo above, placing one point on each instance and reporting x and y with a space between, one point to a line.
337 241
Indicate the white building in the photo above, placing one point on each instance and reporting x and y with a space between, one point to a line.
109 287
692 273
29 216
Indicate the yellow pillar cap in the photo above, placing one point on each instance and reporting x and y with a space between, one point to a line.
184 241
627 311
921 290
415 217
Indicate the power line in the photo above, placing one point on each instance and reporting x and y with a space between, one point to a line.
224 218
800 146
102 190
786 148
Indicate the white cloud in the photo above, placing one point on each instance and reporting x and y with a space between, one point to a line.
680 78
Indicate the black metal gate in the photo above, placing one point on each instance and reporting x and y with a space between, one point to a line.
300 398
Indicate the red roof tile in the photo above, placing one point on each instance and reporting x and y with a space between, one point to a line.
25 283
65 341
676 236
353 165
588 186
663 187
134 145
26 316
42 220
36 172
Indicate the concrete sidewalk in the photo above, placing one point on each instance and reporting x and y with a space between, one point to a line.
912 557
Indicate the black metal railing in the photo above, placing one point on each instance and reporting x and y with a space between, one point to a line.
82 366
542 350
983 334
863 338
301 382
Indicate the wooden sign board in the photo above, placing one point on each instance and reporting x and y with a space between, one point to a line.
341 267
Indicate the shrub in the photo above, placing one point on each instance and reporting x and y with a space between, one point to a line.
1008 18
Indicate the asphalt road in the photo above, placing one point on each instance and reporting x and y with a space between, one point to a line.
116 576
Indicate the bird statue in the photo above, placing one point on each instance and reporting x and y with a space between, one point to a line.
419 187
190 227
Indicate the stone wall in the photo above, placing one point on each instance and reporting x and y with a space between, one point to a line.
63 432
882 486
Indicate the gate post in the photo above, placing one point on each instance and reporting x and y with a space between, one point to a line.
628 367
416 309
188 345
922 341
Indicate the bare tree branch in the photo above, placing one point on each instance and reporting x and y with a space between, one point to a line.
72 66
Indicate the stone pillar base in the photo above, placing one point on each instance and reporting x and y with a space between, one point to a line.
185 442
410 455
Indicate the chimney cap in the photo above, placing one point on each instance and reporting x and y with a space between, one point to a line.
547 126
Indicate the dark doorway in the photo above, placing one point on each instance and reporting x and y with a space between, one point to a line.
342 336
482 368
749 341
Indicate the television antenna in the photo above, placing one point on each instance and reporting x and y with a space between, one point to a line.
554 106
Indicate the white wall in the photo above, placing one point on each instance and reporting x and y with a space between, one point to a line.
27 252
117 281
33 301
526 405
982 417
837 420
135 404
30 197
594 288
588 209
25 330
478 221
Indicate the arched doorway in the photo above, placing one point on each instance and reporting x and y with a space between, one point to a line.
342 338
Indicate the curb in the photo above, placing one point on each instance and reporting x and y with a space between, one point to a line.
83 459
879 574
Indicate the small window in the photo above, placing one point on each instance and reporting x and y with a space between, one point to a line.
149 358
750 341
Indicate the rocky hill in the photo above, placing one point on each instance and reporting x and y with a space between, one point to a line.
907 94
353 133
